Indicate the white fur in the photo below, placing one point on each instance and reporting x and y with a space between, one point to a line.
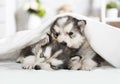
20 59
76 58
62 21
45 63
39 52
68 27
74 42
76 66
56 62
28 62
88 64
75 63
57 53
47 52
45 66
56 28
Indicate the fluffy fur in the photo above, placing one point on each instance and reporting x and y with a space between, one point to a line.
66 47
71 31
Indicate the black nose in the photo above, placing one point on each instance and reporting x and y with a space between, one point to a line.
37 67
64 43
78 69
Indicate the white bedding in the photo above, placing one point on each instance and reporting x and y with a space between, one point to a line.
104 39
11 73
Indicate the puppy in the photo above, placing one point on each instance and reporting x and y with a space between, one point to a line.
28 54
48 56
75 63
54 56
70 31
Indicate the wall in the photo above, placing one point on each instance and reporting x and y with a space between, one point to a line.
7 18
79 6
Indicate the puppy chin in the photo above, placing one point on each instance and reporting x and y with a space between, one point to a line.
74 46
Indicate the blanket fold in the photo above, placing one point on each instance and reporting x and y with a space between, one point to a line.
104 39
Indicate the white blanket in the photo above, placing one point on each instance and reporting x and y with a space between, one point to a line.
104 39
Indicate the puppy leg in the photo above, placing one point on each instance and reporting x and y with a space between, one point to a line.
20 59
28 62
88 64
38 45
27 51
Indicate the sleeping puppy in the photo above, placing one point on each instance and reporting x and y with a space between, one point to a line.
70 31
47 55
28 54
53 56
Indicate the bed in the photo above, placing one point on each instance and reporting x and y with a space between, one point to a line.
103 38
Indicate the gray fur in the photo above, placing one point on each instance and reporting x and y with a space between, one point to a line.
80 43
66 34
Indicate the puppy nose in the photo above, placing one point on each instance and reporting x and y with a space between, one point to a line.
78 69
64 43
37 67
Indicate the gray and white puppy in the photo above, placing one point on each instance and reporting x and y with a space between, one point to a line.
28 54
53 56
70 31
50 56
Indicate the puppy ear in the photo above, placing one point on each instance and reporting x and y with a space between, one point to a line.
53 24
82 24
76 58
50 37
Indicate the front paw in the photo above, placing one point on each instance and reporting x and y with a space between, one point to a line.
20 59
88 64
28 62
86 67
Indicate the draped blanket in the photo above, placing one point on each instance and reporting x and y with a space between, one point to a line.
104 39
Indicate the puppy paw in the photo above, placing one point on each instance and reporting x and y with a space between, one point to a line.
44 41
20 59
88 64
28 62
86 67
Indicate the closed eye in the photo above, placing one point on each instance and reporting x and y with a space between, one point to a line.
57 34
70 33
53 67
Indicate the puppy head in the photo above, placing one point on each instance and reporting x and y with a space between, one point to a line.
75 63
68 30
53 56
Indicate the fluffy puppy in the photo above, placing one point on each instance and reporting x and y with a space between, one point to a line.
54 56
28 54
70 31
47 55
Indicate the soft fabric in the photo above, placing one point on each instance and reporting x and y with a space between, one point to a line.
11 73
103 38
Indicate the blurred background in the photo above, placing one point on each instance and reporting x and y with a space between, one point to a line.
19 15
